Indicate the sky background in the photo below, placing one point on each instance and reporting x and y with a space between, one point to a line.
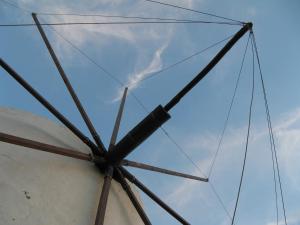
133 52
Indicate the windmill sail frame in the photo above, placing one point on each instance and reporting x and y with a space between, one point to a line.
111 161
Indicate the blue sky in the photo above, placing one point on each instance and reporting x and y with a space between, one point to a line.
132 52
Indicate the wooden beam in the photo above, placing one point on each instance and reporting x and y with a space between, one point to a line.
69 87
160 170
141 186
47 105
133 198
118 121
208 67
35 145
104 196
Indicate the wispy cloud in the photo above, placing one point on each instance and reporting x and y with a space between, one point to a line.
149 41
156 64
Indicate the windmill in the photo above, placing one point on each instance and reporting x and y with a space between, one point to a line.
111 161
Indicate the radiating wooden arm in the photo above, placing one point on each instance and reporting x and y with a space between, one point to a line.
160 170
35 145
133 198
48 106
151 195
76 100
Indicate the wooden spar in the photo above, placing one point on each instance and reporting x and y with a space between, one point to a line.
210 65
109 170
141 186
118 121
104 196
47 105
35 145
133 198
69 87
160 170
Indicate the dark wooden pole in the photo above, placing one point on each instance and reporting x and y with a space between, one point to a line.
141 186
109 169
35 145
210 65
69 86
104 196
118 121
133 198
160 115
137 135
47 105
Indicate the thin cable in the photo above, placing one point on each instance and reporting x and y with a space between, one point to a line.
247 141
270 127
115 23
108 16
196 11
198 168
274 178
105 16
278 173
99 67
183 152
272 156
219 199
15 6
113 16
89 58
184 59
118 16
229 110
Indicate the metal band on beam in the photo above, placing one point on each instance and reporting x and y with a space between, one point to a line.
118 121
137 135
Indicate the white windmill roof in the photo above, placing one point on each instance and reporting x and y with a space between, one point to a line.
47 189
